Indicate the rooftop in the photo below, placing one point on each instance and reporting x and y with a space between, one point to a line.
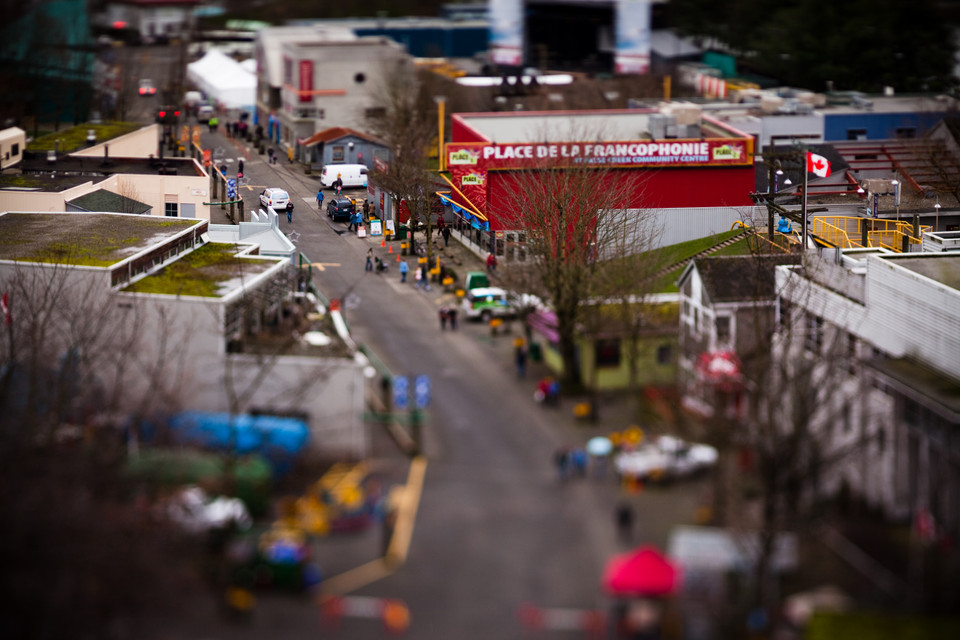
940 267
81 239
107 201
605 125
210 271
90 167
75 138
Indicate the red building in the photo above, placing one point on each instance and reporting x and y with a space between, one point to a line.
687 160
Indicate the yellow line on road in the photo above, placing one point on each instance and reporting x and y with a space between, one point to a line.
407 513
399 546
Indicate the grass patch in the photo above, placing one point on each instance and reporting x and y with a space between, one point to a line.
200 272
742 247
75 138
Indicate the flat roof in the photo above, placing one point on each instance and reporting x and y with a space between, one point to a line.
82 239
601 125
210 271
940 267
96 166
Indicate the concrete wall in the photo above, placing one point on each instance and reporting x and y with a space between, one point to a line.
141 143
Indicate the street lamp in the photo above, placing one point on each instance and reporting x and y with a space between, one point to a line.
441 103
896 195
936 218
776 180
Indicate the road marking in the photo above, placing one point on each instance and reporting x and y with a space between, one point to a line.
322 266
407 513
399 543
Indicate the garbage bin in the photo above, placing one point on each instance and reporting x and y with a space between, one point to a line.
535 354
402 232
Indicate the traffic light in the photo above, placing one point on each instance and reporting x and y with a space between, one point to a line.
168 115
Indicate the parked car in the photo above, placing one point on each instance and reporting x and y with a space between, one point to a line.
276 198
147 88
340 209
665 457
352 175
485 303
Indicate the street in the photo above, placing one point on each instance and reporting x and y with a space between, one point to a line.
495 529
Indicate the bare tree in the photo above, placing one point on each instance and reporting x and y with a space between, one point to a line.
572 217
406 120
79 555
776 411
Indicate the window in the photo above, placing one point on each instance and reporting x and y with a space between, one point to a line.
170 209
337 154
664 354
856 134
607 352
906 132
287 71
723 328
814 337
15 149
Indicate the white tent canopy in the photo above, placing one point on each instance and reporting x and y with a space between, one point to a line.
224 80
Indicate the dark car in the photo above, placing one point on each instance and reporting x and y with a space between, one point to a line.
340 209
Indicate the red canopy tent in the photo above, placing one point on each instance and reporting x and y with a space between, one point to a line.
643 572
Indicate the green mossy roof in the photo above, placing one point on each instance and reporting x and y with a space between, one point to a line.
75 138
210 271
81 239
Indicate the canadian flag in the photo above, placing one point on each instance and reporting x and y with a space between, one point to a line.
818 165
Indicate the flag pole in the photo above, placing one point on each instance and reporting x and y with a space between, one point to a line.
803 205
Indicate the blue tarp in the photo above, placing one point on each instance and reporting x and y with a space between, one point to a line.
267 435
474 221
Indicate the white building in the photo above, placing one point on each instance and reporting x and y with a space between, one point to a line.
160 319
895 320
317 77
153 20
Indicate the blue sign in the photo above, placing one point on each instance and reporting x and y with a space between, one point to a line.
401 392
421 391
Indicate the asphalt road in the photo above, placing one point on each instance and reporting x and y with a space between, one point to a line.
495 529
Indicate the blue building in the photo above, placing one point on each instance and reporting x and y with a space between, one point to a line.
883 118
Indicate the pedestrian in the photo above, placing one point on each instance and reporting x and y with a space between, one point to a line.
418 276
491 263
440 226
446 236
452 315
425 276
239 167
520 357
443 318
369 266
320 199
561 458
381 266
338 184
270 155
289 211
404 267
578 458
366 209
624 517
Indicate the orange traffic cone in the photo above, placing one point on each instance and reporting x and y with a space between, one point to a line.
383 242
390 250
398 257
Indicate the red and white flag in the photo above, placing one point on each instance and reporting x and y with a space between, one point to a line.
818 165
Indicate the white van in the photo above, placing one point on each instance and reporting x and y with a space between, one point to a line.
353 175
